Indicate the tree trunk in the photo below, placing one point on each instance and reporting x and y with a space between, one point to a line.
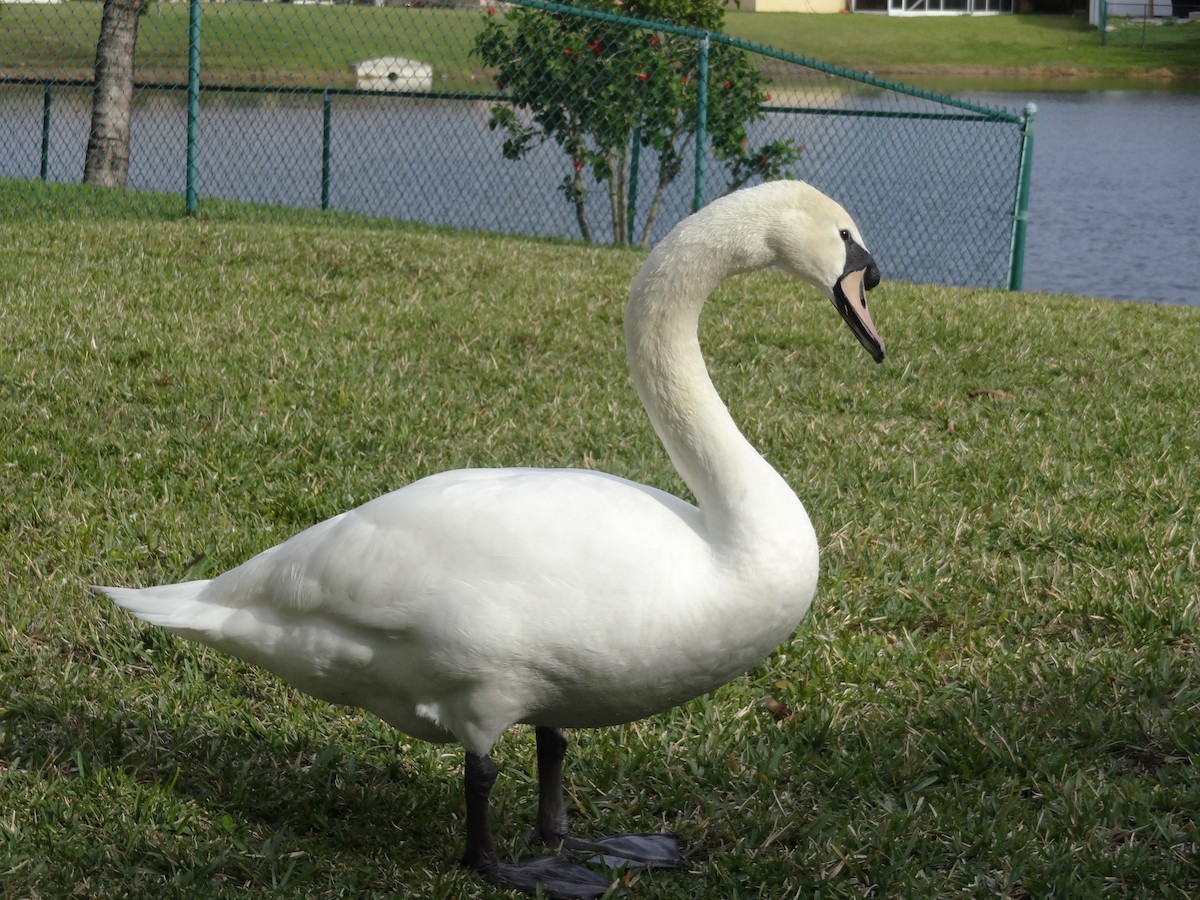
618 164
107 160
666 174
578 195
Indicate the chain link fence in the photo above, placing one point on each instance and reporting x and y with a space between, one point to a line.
1162 26
522 117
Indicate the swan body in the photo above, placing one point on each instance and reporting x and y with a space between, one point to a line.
473 600
460 637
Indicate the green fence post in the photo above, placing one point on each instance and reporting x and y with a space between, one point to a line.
1016 261
326 129
701 125
45 167
193 107
1103 22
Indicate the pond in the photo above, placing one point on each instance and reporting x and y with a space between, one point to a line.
1114 206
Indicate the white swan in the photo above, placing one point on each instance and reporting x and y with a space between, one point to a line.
473 600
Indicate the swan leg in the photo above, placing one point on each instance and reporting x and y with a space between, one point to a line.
654 850
556 877
479 776
551 828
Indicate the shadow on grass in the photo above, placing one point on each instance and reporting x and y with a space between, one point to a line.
239 775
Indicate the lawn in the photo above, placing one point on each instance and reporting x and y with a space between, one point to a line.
997 692
317 46
256 44
1050 52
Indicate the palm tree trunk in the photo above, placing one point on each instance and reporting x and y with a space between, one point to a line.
107 160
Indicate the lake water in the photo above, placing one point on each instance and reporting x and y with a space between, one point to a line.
1114 202
1114 207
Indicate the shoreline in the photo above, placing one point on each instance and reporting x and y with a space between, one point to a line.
1039 79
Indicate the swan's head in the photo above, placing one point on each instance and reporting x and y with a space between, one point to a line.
813 238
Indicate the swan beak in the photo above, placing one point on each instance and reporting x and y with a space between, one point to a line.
850 298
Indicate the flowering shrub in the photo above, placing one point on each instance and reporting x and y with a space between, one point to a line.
599 89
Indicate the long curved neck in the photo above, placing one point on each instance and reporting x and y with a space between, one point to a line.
734 486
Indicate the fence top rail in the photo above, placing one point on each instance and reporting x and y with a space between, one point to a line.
977 110
302 91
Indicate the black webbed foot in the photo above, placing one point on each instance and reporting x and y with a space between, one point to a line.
557 877
621 851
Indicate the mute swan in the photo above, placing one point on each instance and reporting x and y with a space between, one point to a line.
474 600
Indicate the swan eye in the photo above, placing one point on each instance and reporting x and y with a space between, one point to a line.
845 234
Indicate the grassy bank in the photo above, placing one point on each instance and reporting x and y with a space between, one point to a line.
997 692
1041 52
319 45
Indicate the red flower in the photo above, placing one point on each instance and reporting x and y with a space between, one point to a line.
567 52
578 165
642 76
654 41
595 47
728 85
491 10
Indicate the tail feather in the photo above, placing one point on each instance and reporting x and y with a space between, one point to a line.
171 606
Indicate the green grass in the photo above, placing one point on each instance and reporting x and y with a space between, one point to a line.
1048 52
997 692
256 44
282 44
